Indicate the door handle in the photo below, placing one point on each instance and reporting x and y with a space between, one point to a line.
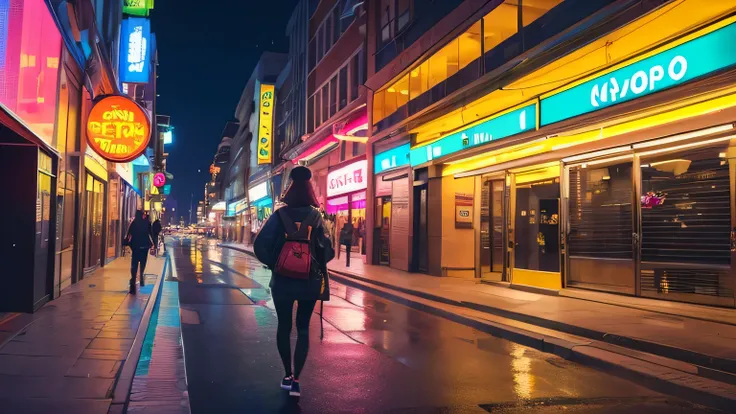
635 238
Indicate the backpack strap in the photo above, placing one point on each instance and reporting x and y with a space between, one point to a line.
289 225
300 232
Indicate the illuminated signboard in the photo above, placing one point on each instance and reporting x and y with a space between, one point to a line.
159 179
137 7
347 179
258 192
690 60
265 124
502 126
167 137
135 50
167 189
118 129
393 158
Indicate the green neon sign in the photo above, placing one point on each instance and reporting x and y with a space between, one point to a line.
511 123
688 61
137 7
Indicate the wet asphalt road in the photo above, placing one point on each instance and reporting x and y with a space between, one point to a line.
376 356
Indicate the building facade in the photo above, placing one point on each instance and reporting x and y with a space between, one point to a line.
70 204
555 144
333 145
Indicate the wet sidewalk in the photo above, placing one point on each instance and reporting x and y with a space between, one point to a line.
66 357
698 335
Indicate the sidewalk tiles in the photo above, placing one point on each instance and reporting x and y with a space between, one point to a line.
65 358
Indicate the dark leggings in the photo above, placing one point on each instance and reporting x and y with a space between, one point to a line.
284 311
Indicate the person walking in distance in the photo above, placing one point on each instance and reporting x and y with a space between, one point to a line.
139 239
295 245
346 239
155 232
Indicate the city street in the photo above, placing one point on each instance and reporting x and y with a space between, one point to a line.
376 356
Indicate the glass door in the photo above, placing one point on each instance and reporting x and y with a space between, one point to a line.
492 228
601 228
536 228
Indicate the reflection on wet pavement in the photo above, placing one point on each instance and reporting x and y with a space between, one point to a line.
376 355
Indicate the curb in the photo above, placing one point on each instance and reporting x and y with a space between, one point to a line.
124 381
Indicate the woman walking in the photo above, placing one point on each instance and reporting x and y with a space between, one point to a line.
294 244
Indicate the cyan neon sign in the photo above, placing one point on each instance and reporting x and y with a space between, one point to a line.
690 60
503 126
393 158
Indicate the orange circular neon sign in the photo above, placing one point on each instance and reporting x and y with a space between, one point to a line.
118 129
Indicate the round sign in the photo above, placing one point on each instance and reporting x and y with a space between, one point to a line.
159 179
118 129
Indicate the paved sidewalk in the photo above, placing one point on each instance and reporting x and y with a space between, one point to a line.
66 357
701 342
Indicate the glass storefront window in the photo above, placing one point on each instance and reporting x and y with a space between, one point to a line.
532 10
469 45
30 52
500 24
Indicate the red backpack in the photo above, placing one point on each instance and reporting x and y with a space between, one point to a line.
295 258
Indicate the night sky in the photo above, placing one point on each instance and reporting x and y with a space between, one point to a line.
207 51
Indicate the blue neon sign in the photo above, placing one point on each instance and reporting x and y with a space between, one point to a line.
690 60
135 50
511 123
393 158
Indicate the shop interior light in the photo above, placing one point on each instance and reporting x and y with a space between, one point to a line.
685 146
607 160
682 137
597 154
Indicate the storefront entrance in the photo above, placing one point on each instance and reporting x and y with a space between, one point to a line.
657 223
93 219
536 228
492 228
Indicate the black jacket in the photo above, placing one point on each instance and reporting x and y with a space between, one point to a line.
156 229
267 248
139 234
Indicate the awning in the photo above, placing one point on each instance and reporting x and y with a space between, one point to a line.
22 130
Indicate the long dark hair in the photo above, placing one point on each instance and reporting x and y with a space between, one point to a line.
300 192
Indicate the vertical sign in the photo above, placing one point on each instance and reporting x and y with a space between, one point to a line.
135 50
265 124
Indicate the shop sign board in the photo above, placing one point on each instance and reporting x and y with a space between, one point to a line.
502 126
258 192
159 179
393 158
347 179
680 64
137 7
135 50
167 189
236 207
265 124
118 130
463 210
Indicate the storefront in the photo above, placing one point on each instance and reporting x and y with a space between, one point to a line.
346 201
261 205
94 212
620 182
234 220
392 222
